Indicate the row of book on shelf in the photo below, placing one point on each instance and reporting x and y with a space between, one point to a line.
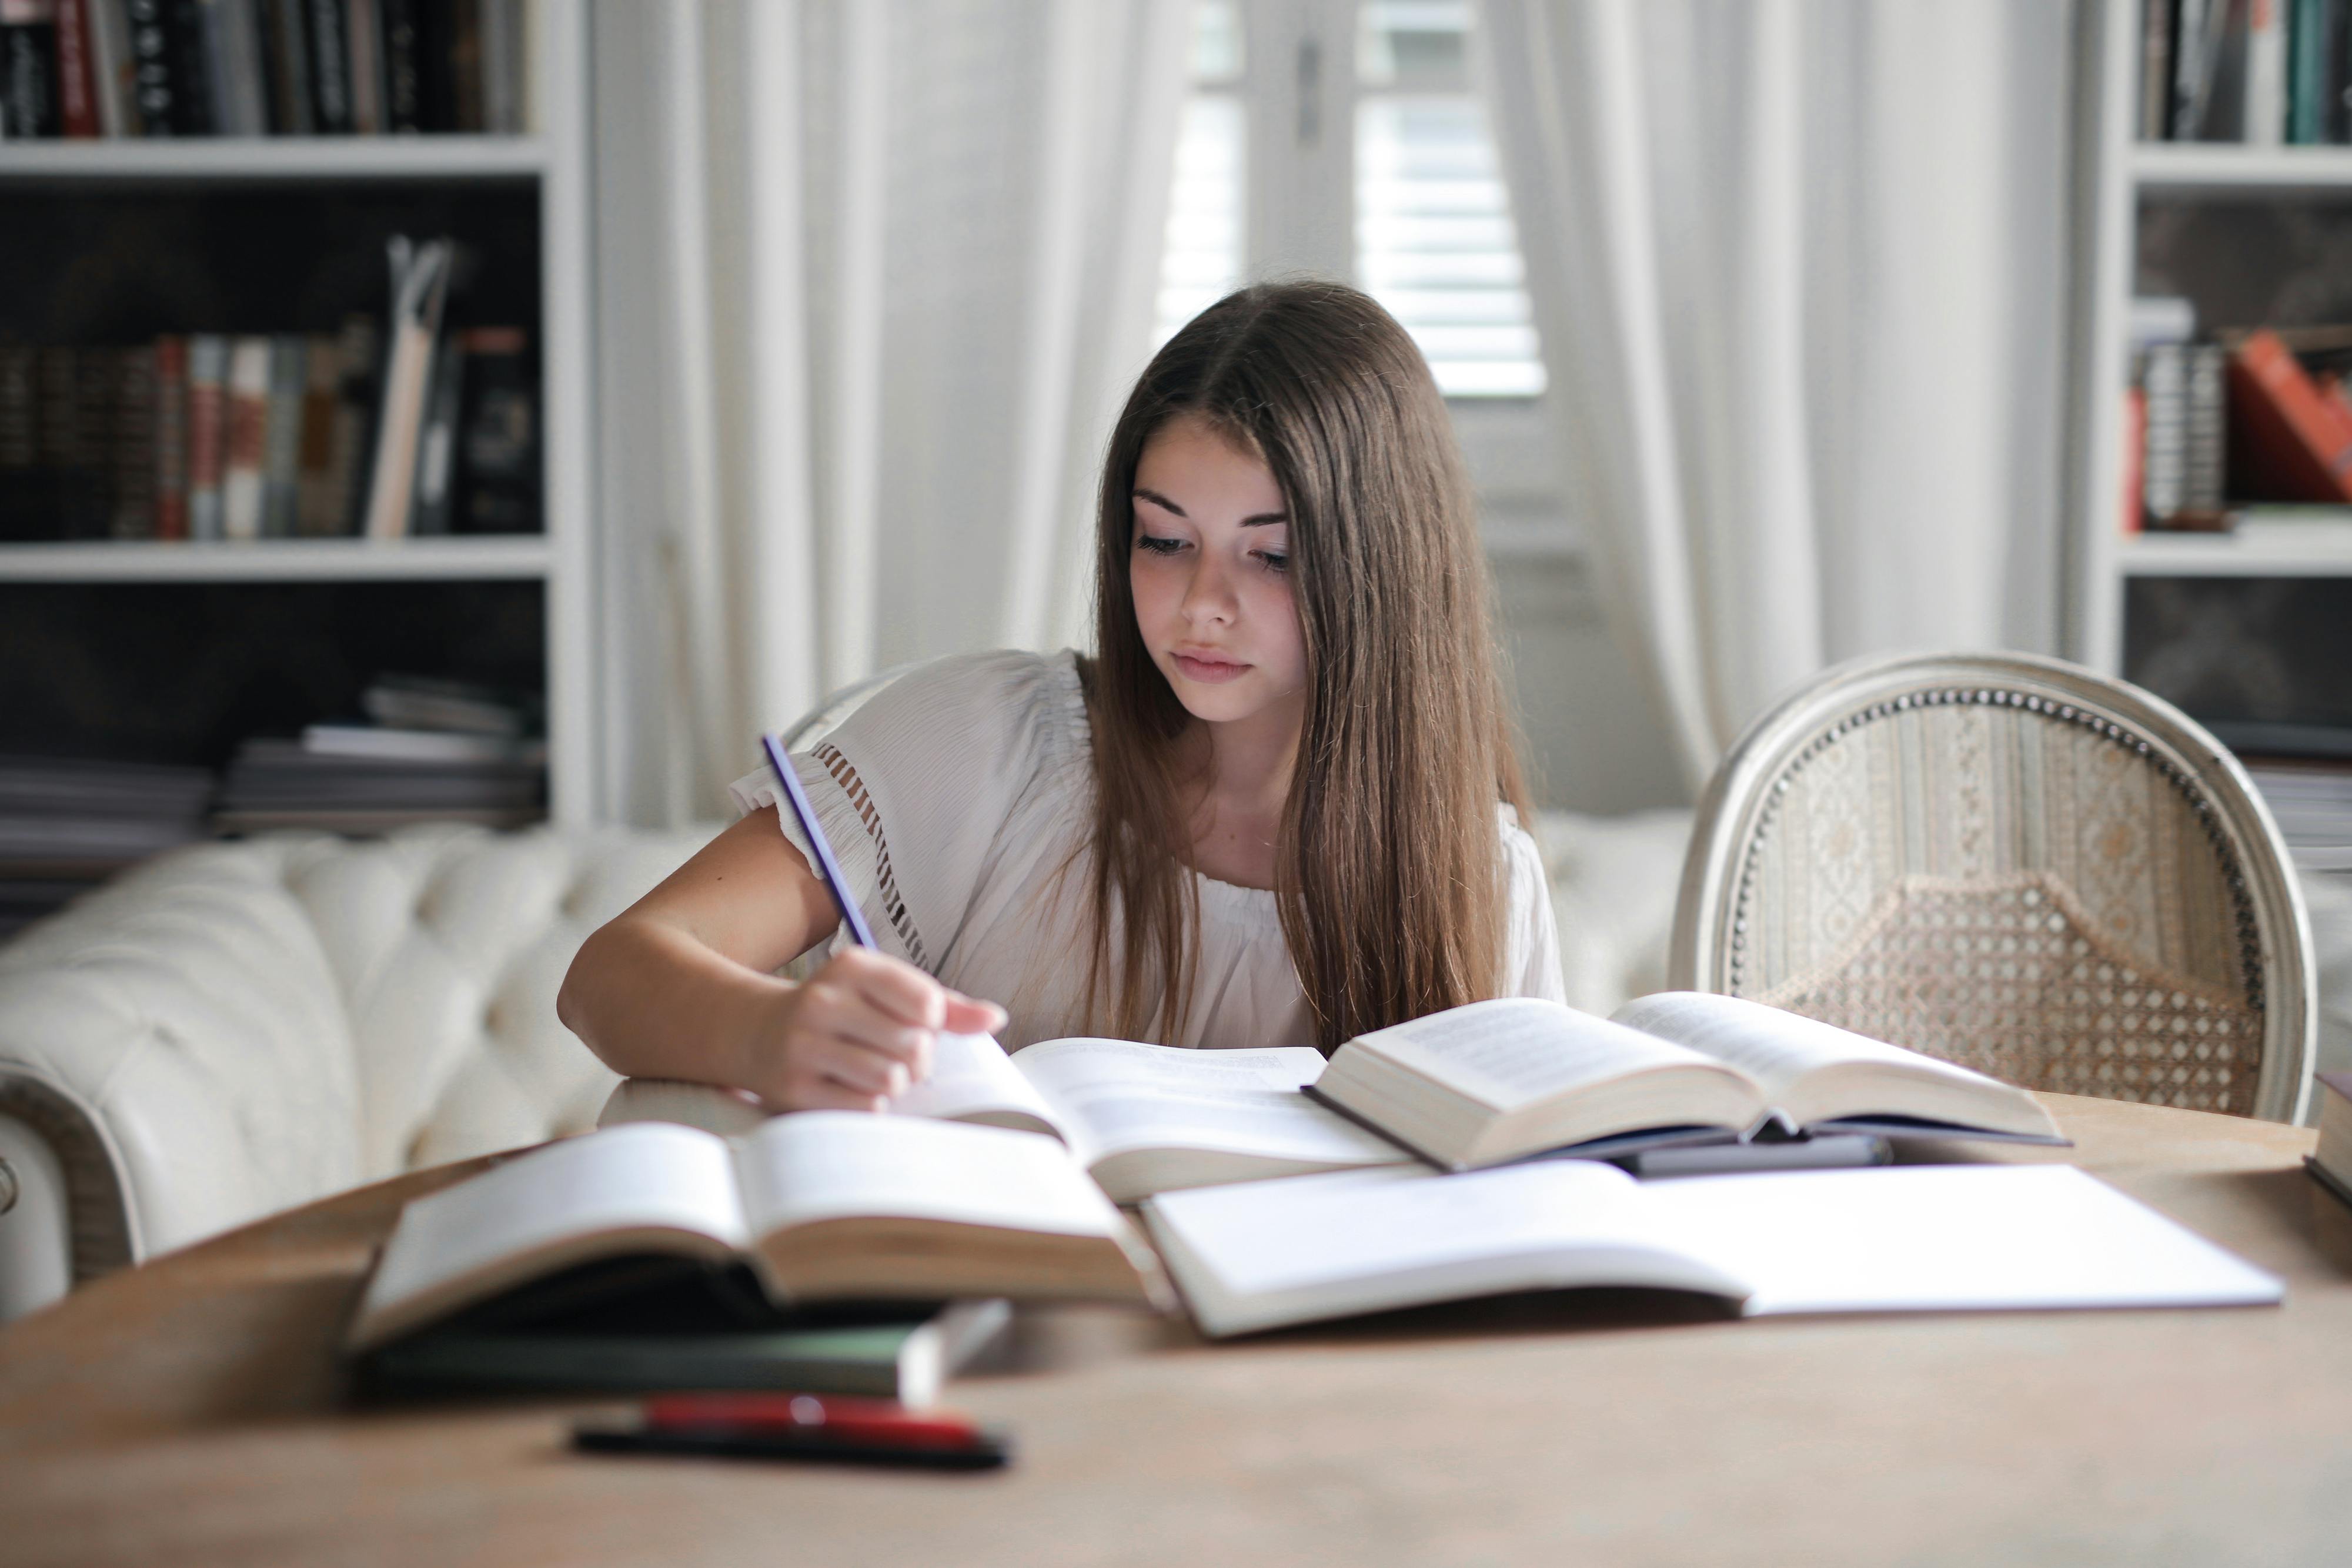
419 750
85 68
2261 72
2235 427
251 436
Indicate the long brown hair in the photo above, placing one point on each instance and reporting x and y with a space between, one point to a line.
1391 877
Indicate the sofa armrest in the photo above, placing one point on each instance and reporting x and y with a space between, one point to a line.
181 1030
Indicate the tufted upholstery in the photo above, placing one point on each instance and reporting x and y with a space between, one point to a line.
236 1028
2014 863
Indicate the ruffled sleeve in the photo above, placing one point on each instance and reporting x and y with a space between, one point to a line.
1533 961
913 790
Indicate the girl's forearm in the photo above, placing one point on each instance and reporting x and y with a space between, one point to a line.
654 1001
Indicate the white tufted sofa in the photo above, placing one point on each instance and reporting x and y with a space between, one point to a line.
236 1028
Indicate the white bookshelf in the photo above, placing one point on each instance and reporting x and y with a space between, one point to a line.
455 560
263 158
2117 175
553 159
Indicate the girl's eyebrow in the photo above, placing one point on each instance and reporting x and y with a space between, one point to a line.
1257 521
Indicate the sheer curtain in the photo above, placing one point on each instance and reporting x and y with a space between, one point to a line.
872 277
1799 269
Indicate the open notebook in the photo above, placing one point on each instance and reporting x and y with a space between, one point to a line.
1140 1118
1911 1239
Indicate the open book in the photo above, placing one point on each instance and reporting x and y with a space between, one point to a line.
1140 1118
1496 1080
822 1206
1913 1238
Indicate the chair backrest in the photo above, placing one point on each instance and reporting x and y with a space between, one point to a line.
2013 863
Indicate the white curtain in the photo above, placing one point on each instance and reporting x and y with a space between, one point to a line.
1799 269
873 276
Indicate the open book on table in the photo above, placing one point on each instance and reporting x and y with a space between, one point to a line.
822 1206
1498 1080
1910 1238
1140 1118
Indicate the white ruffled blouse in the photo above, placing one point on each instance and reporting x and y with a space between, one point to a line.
955 794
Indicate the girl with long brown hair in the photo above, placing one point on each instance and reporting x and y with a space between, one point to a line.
1279 805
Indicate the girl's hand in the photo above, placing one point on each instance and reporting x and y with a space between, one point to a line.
856 1033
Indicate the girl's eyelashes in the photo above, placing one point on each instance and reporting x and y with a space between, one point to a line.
1274 560
1156 544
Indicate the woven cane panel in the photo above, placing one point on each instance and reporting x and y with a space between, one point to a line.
2007 975
1972 789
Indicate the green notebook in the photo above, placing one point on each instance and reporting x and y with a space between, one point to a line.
905 1360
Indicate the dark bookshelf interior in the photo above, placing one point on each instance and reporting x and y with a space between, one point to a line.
120 263
2249 259
2236 650
181 672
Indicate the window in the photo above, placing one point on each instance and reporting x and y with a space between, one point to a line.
1371 161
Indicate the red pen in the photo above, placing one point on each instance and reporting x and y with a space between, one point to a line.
806 1426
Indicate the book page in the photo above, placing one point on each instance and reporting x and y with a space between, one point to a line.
1509 1053
1773 1047
1947 1238
645 1176
972 1076
1116 1096
837 1165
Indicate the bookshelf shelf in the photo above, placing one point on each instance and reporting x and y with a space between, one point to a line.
2317 549
2195 169
241 160
279 560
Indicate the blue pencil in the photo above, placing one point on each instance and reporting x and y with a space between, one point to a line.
828 868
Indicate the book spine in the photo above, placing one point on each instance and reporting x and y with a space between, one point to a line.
404 81
149 35
2156 70
358 350
502 66
2336 91
171 438
134 443
498 448
330 69
192 72
437 446
207 433
2295 442
28 69
249 421
2204 443
2192 66
2265 91
364 30
77 79
288 60
20 445
2135 442
281 456
110 64
315 511
2164 385
245 97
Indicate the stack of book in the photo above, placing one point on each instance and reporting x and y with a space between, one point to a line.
429 752
285 435
82 69
2245 425
2264 72
2311 800
67 825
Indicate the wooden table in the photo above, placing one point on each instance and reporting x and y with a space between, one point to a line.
187 1412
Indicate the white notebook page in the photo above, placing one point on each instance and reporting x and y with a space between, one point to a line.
1929 1238
1506 1054
1115 1095
828 1165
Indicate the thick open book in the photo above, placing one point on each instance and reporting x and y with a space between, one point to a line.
1498 1080
1911 1238
1140 1118
822 1206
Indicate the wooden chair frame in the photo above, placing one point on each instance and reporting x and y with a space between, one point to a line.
1738 809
